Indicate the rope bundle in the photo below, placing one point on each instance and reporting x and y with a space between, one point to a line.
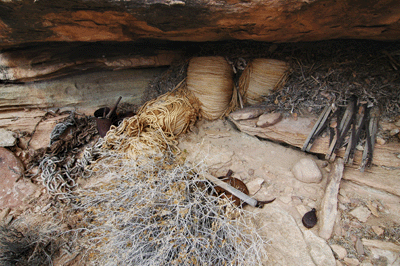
155 127
210 79
261 77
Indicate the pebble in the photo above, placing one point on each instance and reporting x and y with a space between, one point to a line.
377 230
359 247
380 141
351 261
340 251
7 138
361 213
269 119
255 185
394 132
373 208
307 171
246 113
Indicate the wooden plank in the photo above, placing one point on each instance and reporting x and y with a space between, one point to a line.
295 131
86 92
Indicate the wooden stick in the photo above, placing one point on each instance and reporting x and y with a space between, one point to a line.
321 120
230 189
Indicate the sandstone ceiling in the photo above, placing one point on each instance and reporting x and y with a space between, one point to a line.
32 21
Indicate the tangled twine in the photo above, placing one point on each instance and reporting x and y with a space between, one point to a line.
155 127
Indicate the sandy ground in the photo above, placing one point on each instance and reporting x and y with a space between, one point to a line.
266 168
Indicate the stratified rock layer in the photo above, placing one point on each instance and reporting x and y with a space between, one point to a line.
29 21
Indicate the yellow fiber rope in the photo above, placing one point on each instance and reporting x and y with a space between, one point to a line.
155 127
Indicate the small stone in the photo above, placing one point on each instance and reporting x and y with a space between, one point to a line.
7 138
340 251
359 247
307 171
377 230
373 207
351 261
255 185
361 213
342 207
394 132
246 113
269 119
380 141
397 124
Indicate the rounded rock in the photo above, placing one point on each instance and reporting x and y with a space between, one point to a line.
307 171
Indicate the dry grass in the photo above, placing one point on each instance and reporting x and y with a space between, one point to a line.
157 211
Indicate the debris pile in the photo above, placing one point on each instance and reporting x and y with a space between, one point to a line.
60 164
158 211
346 127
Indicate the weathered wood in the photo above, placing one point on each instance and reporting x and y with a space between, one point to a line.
197 20
86 92
295 131
328 209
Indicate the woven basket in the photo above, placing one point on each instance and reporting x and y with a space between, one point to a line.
210 79
261 77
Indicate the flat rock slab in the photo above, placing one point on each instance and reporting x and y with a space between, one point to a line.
289 244
13 193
